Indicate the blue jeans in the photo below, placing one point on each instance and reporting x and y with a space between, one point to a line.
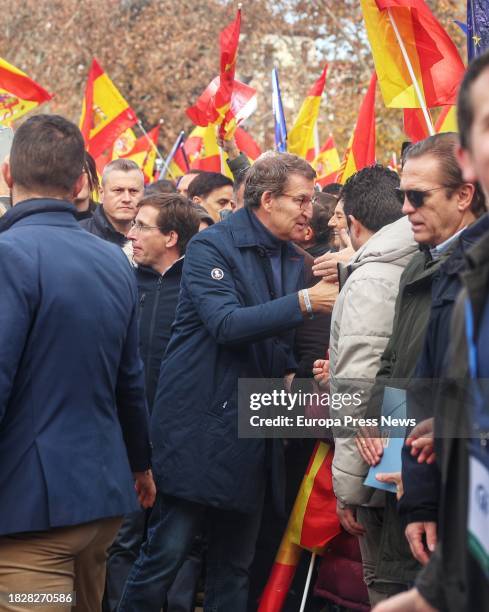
123 554
173 525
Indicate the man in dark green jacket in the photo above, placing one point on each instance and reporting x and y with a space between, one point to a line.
439 205
456 578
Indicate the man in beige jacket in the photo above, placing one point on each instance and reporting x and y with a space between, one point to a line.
362 324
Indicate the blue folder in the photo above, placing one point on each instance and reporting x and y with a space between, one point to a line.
393 405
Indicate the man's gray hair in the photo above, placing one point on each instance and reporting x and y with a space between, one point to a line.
121 165
270 173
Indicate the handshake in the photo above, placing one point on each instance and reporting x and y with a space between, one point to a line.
321 297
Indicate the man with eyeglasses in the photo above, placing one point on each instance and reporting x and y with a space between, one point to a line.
163 226
440 205
240 301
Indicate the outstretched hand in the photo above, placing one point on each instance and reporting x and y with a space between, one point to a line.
421 441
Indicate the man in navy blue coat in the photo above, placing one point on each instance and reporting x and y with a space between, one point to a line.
239 304
73 418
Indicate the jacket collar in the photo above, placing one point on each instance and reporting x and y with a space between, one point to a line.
174 270
245 235
468 238
106 226
34 206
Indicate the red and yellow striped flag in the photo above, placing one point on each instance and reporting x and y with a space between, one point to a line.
243 104
18 93
144 153
300 139
447 121
229 41
312 524
124 143
214 106
105 113
247 144
415 126
327 163
203 152
361 148
435 60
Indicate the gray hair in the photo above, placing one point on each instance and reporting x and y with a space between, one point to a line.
270 173
121 165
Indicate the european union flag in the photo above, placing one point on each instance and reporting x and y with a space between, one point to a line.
477 27
278 115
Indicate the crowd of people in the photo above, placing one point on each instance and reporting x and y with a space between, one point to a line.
128 314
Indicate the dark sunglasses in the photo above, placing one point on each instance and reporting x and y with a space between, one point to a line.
415 196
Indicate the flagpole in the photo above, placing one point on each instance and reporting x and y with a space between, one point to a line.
171 155
221 153
308 582
316 140
409 66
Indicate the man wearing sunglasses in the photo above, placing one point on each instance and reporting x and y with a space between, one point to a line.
455 579
439 204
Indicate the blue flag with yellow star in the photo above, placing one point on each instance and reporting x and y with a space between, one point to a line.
477 27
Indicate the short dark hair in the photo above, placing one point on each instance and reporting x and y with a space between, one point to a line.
465 110
161 186
203 214
91 170
443 148
270 172
333 188
175 213
47 154
322 211
370 196
206 182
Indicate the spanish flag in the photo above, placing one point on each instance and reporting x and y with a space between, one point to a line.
312 524
202 151
144 153
124 143
300 139
18 93
214 106
229 41
436 63
361 148
327 163
247 144
415 126
105 113
243 104
447 121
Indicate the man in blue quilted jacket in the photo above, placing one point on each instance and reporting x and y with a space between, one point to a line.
240 301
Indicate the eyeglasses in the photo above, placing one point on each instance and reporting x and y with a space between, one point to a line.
302 201
139 227
416 197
